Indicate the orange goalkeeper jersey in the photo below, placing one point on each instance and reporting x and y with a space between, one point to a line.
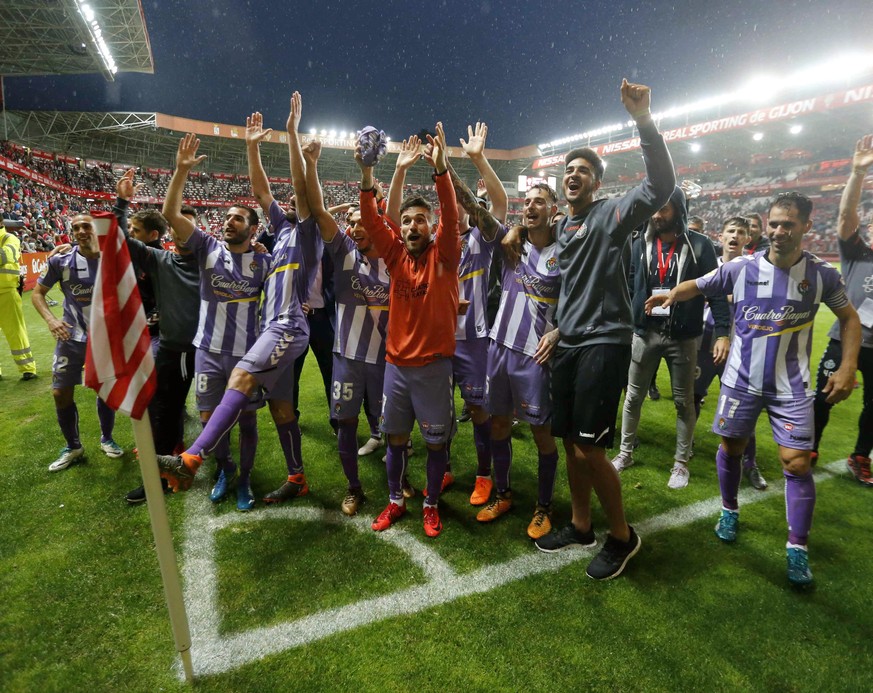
424 291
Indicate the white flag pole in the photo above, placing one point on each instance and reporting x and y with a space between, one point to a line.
148 466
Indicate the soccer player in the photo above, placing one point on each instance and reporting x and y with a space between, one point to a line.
590 365
667 254
268 362
734 236
231 277
856 257
522 340
76 272
423 264
361 288
11 314
776 295
471 337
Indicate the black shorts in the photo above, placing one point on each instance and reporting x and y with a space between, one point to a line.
587 383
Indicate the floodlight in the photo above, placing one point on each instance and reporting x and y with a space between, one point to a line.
313 131
695 147
324 133
87 12
343 135
758 88
758 136
795 129
332 133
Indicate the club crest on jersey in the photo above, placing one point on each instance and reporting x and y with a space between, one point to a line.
830 364
722 423
551 263
803 287
253 266
336 408
464 245
582 232
789 427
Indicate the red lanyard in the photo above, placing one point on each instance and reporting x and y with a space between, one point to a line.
664 266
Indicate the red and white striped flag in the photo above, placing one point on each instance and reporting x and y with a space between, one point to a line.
119 363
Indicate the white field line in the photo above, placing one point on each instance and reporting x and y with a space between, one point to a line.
215 654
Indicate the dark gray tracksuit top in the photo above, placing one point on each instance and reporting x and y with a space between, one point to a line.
593 253
176 279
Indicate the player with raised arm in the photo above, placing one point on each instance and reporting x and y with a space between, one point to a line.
283 336
856 264
423 264
776 295
231 277
76 272
590 365
361 286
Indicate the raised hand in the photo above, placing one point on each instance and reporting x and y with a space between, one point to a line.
637 98
294 114
124 188
437 149
255 128
312 151
410 152
475 144
863 157
186 154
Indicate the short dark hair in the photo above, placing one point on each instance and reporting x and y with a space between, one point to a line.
151 220
189 210
416 201
547 190
736 221
801 202
252 214
755 215
694 219
590 156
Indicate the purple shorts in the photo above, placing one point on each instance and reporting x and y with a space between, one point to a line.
419 392
470 366
790 420
271 359
351 380
67 364
518 385
211 375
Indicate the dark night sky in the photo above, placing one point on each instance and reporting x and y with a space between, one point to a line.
533 70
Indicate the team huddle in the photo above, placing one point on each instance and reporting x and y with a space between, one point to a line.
589 303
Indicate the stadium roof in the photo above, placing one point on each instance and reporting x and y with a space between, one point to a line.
52 37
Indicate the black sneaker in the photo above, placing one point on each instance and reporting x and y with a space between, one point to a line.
654 393
613 557
564 538
465 415
137 496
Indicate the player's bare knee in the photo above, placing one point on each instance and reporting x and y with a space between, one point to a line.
243 381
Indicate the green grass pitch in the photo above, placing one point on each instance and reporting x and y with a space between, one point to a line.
82 606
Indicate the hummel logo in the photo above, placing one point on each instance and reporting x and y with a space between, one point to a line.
765 282
280 349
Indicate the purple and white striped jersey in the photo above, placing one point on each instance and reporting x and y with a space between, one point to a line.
528 299
295 259
361 287
476 254
77 274
774 310
230 286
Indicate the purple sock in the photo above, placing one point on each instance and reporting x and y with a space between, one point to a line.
730 471
437 463
502 450
799 505
395 467
548 469
373 422
221 421
347 442
248 444
68 420
289 436
751 452
482 439
106 416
